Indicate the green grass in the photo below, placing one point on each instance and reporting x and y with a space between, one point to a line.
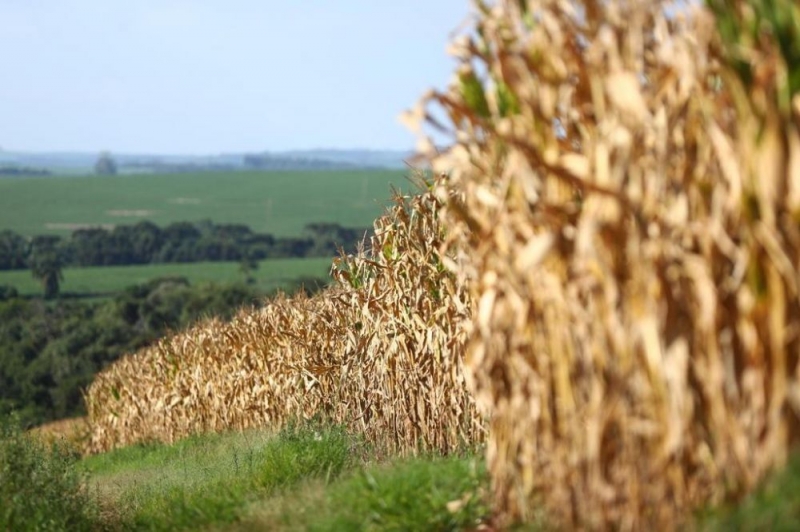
432 493
775 506
281 203
271 274
308 477
211 479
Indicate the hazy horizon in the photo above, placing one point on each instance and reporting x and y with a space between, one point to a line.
212 153
183 77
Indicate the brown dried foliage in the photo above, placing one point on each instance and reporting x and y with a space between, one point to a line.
381 352
624 208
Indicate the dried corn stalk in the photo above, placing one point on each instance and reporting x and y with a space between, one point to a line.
623 204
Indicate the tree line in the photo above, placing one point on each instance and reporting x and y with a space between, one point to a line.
147 243
23 171
265 161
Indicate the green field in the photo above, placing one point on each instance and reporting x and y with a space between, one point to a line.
103 280
281 203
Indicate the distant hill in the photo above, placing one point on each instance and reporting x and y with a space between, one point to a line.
322 159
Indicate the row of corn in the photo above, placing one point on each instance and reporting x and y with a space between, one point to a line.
380 352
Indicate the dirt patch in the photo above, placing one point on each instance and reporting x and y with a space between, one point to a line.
69 226
185 201
130 212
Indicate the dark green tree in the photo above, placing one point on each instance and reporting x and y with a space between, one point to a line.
147 240
13 250
7 292
45 263
247 265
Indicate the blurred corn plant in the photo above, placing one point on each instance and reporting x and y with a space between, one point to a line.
622 202
761 46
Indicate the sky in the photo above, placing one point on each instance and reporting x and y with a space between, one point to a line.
218 76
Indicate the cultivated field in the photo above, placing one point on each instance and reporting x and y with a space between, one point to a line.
271 274
609 308
281 203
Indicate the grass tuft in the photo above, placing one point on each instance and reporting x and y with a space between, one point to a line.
775 506
302 452
431 493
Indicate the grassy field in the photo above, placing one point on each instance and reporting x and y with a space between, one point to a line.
271 274
303 478
281 203
306 477
311 479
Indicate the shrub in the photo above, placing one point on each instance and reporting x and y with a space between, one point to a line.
40 487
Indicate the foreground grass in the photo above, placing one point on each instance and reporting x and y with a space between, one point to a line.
433 493
775 506
307 478
102 280
208 480
313 478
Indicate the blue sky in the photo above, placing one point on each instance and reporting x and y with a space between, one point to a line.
212 76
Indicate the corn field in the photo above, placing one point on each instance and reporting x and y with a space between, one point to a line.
604 275
623 204
380 352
